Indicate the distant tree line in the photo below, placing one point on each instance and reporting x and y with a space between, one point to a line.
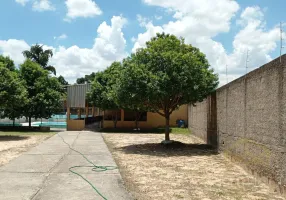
30 91
86 79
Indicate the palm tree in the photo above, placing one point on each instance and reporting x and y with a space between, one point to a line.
40 56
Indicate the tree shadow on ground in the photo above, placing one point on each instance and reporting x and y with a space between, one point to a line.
6 138
174 149
142 130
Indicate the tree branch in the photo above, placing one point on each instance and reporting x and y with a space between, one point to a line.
174 106
161 113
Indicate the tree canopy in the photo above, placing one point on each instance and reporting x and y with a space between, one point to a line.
44 92
86 79
13 94
7 62
102 92
62 80
40 56
63 83
165 75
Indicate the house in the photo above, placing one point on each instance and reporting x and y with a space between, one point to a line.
80 114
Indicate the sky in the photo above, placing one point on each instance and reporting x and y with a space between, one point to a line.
88 35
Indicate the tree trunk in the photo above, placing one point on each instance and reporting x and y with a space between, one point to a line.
115 123
136 124
13 122
115 120
167 128
137 118
30 119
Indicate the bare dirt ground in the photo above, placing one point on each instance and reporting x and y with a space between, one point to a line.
13 146
185 171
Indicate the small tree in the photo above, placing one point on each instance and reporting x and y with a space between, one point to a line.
102 94
13 94
167 74
44 92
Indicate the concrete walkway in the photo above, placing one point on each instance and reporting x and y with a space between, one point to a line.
43 172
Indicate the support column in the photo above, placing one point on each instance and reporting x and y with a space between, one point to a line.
86 112
68 113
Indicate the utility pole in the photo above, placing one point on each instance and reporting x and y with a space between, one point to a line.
247 61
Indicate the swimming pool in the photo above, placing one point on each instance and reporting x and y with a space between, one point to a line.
51 124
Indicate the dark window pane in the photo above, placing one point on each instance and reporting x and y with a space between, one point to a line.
131 116
110 115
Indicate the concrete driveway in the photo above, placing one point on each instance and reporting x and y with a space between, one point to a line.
43 172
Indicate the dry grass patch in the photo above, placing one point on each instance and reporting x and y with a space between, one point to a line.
186 170
13 144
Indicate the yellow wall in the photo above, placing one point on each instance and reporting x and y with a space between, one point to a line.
154 120
75 125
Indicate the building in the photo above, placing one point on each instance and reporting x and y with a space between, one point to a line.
80 114
126 119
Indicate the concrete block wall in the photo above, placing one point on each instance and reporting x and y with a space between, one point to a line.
202 120
251 121
197 119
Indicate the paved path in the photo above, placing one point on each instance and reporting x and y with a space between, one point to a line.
43 172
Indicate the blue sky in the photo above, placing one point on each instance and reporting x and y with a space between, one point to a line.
87 35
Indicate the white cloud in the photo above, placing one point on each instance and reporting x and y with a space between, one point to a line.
75 62
133 39
22 2
198 24
81 8
195 21
253 37
61 37
142 38
43 5
157 17
13 48
142 20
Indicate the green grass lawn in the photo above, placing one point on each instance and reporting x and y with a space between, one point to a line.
180 131
23 133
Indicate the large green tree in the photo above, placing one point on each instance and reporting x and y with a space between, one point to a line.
7 62
13 94
44 92
102 93
165 75
40 56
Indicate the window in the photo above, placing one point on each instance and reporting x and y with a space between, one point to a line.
83 113
110 115
131 116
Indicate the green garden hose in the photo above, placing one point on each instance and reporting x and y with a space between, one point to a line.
94 167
